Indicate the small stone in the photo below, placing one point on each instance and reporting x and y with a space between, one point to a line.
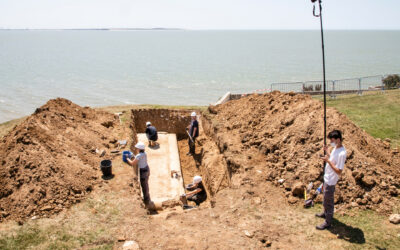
268 243
292 200
46 208
130 245
248 234
394 218
298 189
34 218
281 181
354 204
121 238
376 200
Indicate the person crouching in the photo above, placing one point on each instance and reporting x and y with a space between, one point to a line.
151 134
197 193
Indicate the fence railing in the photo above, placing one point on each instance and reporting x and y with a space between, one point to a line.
333 87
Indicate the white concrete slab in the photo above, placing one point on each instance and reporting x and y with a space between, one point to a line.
162 160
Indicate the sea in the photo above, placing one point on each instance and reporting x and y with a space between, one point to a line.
176 67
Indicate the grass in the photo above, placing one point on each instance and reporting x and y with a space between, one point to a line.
81 228
8 126
376 112
362 230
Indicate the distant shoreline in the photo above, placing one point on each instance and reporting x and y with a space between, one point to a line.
101 29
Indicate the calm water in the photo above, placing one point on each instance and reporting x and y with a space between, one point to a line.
175 67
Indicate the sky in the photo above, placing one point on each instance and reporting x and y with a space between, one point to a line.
199 14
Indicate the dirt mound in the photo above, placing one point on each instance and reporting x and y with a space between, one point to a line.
49 161
280 136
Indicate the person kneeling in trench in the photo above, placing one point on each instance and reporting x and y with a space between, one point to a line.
197 192
141 161
151 134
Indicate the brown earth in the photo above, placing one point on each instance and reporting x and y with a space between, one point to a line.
49 161
254 141
281 136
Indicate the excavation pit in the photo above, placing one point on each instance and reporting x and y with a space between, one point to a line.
170 167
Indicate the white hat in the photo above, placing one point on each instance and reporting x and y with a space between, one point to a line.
148 123
140 145
197 179
193 114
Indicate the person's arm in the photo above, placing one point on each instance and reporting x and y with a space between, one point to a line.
194 131
327 151
132 163
338 168
196 191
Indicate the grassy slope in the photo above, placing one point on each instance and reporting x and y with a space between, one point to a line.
377 113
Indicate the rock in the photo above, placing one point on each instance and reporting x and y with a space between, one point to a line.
388 140
394 218
354 204
46 208
393 191
248 234
368 181
298 189
281 181
376 200
292 200
130 245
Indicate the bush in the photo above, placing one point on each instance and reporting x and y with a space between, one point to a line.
318 87
308 88
391 81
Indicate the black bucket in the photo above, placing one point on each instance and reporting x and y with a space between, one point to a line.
106 168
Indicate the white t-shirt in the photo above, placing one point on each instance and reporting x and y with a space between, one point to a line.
142 160
338 158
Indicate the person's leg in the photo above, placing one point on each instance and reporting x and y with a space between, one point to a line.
193 146
330 204
144 182
190 146
329 192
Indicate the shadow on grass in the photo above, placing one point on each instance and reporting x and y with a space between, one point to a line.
348 233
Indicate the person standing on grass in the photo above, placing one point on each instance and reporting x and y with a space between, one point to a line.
141 161
193 129
335 161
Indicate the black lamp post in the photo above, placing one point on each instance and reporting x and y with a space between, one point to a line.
323 60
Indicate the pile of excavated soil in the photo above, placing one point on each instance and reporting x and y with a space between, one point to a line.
49 161
280 137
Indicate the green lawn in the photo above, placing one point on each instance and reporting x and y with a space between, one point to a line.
376 112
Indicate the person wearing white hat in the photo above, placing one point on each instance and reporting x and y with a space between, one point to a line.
193 130
197 192
152 135
144 170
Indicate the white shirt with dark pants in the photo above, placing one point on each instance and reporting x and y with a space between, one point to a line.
338 159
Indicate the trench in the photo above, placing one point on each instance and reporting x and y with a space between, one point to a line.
170 167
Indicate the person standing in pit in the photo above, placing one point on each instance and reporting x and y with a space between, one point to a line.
152 135
335 161
141 161
193 129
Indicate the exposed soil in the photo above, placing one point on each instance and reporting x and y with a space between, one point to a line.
246 146
49 161
281 136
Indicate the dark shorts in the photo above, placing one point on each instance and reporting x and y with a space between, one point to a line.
197 198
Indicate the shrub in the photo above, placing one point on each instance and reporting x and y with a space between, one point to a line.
391 81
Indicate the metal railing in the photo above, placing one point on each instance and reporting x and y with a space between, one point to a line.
333 87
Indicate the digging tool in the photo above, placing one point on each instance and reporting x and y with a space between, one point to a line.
310 202
190 137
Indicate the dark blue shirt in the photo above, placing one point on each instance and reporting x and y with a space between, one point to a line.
194 124
151 131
